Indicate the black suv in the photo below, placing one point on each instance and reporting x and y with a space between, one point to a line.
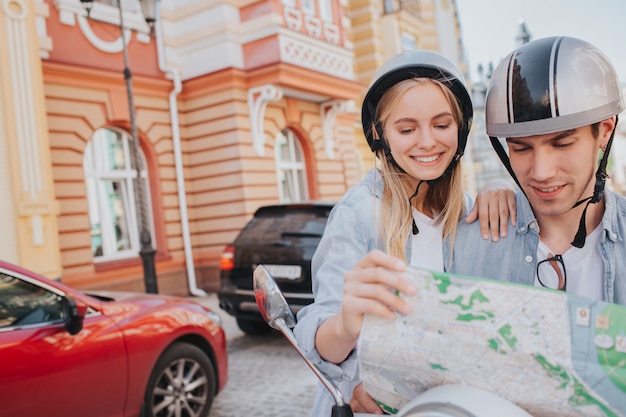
283 238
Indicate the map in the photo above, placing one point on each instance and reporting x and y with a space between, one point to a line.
550 353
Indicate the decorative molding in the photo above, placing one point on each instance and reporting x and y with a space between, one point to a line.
331 33
23 101
15 9
313 54
313 26
258 97
110 47
293 18
328 112
71 11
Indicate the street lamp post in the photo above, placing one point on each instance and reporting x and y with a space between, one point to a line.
147 251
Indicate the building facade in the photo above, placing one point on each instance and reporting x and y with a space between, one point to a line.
237 104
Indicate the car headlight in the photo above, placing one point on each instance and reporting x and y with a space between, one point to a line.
214 317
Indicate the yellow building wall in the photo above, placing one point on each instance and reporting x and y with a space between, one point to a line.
29 205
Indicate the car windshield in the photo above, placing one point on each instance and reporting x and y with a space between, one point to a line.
273 225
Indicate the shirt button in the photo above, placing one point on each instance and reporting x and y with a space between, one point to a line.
532 225
528 258
613 236
522 229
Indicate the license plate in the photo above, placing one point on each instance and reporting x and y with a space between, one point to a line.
284 271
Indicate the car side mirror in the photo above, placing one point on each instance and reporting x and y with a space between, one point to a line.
73 313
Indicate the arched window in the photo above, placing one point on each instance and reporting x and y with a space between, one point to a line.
113 207
291 168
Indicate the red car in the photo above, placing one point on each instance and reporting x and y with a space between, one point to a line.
65 353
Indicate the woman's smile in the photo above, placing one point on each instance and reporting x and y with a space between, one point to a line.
427 159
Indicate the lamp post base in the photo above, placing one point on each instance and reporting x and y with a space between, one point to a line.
147 258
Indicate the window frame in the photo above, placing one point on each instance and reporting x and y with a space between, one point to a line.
96 179
295 168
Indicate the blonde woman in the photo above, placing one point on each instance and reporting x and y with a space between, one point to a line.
416 117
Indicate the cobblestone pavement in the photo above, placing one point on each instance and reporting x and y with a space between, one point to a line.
266 376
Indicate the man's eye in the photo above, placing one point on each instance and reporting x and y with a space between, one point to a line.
562 144
519 149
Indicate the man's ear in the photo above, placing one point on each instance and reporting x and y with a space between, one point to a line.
606 128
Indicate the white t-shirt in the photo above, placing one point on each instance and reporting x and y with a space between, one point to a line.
426 246
583 266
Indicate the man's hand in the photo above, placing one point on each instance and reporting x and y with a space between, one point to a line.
361 402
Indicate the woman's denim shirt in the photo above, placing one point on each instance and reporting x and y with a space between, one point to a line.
514 258
349 235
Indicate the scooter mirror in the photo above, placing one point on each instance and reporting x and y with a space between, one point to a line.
278 315
270 299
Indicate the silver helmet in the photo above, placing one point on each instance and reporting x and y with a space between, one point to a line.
550 85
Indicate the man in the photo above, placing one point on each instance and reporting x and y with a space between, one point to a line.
555 101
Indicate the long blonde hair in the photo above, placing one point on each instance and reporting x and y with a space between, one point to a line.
444 197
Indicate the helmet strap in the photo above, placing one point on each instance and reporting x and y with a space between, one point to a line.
598 192
381 143
417 189
504 158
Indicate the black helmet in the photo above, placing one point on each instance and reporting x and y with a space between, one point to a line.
551 85
414 64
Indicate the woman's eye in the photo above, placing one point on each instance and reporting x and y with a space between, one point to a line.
406 131
442 126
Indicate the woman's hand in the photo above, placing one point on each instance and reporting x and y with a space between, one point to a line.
372 286
362 402
494 205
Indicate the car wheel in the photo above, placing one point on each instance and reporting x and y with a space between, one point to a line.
253 327
182 384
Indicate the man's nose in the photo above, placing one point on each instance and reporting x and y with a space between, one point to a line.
543 165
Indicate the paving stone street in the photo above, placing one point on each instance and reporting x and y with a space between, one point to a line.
267 377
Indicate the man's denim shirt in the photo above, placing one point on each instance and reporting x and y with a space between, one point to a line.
514 258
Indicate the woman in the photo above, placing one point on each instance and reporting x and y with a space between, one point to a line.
416 117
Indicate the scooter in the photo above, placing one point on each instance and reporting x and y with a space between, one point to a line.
441 401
